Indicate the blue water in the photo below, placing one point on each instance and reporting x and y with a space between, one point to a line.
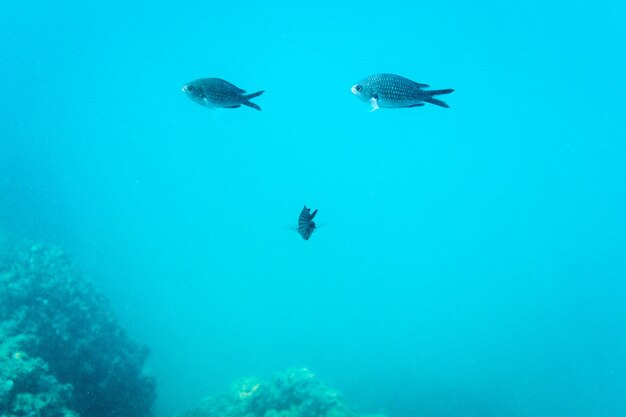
472 260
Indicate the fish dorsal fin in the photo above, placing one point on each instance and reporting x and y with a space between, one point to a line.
232 86
374 103
422 85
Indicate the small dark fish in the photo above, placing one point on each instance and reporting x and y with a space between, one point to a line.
306 225
215 92
394 91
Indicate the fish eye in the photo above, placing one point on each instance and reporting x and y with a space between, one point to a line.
358 88
190 88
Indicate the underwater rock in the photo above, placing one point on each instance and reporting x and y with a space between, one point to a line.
294 393
56 328
26 386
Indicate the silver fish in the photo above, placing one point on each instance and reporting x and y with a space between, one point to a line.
306 225
394 91
215 92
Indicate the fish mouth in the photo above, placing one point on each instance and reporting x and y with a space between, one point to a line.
353 89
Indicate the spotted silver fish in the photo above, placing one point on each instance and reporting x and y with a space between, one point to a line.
390 90
215 92
306 225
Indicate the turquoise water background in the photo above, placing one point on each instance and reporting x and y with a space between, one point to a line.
472 260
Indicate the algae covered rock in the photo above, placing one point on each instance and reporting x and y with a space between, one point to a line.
26 386
62 352
294 393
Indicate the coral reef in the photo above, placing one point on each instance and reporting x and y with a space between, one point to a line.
26 386
62 352
294 393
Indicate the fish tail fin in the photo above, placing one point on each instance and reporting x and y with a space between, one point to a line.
438 92
433 100
247 98
253 95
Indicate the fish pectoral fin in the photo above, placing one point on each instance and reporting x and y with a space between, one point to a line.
233 107
374 103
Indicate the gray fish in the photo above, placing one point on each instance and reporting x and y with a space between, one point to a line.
394 91
215 92
306 225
